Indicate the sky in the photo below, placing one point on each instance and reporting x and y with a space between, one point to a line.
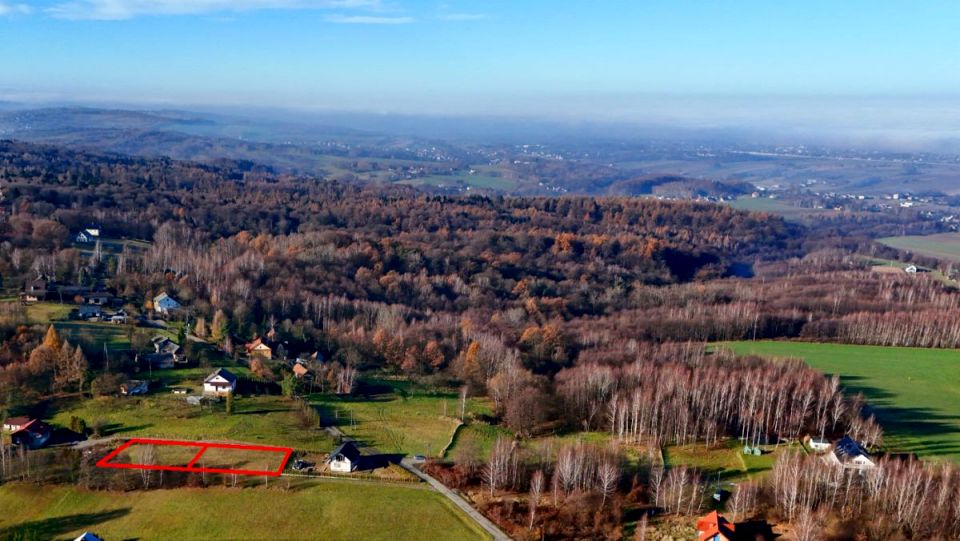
711 60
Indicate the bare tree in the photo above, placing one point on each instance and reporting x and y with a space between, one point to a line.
147 457
609 476
743 501
497 471
808 526
536 490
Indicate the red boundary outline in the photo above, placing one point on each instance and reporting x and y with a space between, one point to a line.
105 461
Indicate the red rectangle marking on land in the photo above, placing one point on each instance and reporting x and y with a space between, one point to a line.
202 447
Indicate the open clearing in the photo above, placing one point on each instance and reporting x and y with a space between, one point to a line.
309 510
914 392
262 420
394 416
943 245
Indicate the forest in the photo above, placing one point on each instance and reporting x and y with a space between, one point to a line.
570 314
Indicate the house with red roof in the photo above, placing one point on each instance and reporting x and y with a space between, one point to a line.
14 424
714 527
259 349
31 433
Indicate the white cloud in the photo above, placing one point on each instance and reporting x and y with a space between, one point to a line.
14 9
127 9
368 19
462 16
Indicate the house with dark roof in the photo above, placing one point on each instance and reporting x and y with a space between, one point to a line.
166 353
220 383
345 458
848 453
89 311
134 387
165 304
32 435
715 527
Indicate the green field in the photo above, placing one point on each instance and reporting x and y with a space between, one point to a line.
914 392
942 246
266 420
725 461
779 207
396 417
309 510
92 335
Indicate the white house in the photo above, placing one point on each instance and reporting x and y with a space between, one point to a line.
850 454
819 445
88 235
164 304
345 458
911 269
220 383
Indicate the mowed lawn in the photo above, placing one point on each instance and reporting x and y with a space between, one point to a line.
942 245
396 417
725 461
914 392
335 510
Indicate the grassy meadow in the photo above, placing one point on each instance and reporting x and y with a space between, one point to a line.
914 392
310 509
394 416
942 245
265 420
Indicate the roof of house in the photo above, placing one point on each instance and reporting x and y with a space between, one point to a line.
87 536
349 451
17 421
163 297
35 427
299 369
257 343
848 448
223 373
162 358
715 524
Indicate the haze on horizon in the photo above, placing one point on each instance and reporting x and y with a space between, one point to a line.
880 72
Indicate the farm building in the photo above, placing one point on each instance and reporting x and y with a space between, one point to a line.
714 527
220 383
850 454
165 304
345 458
